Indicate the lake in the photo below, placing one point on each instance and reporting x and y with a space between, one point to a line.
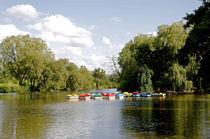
51 116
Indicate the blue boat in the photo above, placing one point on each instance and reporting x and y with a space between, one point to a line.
119 95
135 94
145 95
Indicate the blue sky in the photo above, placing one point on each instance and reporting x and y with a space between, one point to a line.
89 32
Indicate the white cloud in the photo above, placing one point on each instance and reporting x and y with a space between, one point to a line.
76 51
59 29
24 12
106 40
10 29
116 19
64 38
152 33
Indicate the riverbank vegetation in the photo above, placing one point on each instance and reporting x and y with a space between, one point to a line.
27 63
176 59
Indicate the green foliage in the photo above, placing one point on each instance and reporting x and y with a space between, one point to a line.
10 88
72 81
178 78
85 78
173 37
198 45
150 61
145 79
98 74
25 58
27 61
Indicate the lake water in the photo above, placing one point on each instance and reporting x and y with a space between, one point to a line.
51 116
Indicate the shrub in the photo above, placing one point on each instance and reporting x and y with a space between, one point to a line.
10 88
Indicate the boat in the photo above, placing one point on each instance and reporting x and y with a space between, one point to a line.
119 95
72 96
145 94
108 95
135 94
97 96
84 96
127 94
158 94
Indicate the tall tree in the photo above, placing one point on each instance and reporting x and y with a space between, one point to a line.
198 44
146 59
98 74
145 79
25 57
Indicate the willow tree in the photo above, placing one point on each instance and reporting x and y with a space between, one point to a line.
172 37
145 79
146 59
177 76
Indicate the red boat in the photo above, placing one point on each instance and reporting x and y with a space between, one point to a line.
84 96
108 95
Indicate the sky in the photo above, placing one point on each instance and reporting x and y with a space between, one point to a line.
89 32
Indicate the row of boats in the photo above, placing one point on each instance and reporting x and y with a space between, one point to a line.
113 95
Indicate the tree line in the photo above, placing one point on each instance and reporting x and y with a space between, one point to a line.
177 58
27 63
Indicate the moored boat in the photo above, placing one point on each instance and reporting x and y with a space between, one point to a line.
135 94
108 95
119 95
84 96
145 94
72 96
97 96
127 94
158 94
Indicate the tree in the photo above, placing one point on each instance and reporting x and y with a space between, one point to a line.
146 59
198 44
177 76
98 74
128 65
25 56
145 79
85 78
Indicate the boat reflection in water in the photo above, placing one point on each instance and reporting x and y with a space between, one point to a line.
52 116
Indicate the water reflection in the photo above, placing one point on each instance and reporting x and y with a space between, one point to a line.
53 116
92 119
21 119
178 116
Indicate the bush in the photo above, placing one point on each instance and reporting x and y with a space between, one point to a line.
10 88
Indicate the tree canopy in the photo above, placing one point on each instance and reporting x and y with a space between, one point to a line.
98 74
198 45
149 62
29 61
